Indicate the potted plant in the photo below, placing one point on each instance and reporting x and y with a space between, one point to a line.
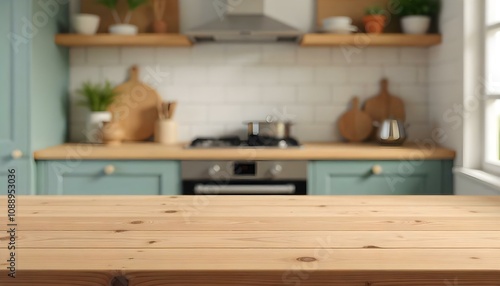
416 14
375 20
97 98
122 28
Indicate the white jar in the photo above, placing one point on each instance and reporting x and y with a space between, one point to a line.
123 29
416 25
166 132
95 122
86 24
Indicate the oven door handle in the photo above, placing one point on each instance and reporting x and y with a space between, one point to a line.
287 189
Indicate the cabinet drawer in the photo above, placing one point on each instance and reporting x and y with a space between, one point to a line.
109 178
376 178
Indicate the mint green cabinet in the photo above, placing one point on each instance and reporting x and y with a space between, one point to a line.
380 178
33 85
109 178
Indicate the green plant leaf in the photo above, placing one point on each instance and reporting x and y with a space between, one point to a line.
111 4
416 7
134 4
96 96
374 10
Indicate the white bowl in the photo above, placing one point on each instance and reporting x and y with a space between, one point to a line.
86 24
341 30
416 25
123 29
338 21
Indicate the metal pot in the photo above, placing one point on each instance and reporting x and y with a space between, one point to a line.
269 128
391 132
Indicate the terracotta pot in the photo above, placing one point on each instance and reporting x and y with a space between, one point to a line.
375 24
160 26
112 133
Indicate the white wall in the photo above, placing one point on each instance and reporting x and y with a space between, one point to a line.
446 75
219 86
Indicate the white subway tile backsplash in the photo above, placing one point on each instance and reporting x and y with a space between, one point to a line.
219 86
221 112
414 56
329 114
208 53
401 74
138 55
296 75
260 75
385 56
103 56
348 55
278 94
314 94
173 56
207 94
190 75
330 74
241 94
279 54
314 56
243 54
192 113
366 75
225 75
77 56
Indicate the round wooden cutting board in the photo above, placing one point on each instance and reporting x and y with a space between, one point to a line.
136 108
385 106
355 125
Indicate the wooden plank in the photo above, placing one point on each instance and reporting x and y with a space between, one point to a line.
303 277
284 212
365 40
322 259
258 239
312 151
188 223
142 17
204 201
107 40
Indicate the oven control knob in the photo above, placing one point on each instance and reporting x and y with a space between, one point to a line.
276 170
214 170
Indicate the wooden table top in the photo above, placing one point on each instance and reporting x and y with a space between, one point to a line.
310 151
255 240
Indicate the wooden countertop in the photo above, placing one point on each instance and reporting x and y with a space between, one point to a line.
255 240
311 151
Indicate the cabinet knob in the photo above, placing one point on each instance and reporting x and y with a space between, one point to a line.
109 170
16 154
377 170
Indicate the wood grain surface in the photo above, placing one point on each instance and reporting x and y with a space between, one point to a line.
310 151
355 125
271 240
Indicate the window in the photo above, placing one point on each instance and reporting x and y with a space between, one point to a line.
492 86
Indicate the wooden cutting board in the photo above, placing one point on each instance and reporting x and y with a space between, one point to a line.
384 105
355 125
136 108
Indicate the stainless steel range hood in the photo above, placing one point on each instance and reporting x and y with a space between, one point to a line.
245 22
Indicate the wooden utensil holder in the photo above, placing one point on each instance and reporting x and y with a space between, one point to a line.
166 132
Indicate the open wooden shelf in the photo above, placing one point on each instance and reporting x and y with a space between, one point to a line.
361 40
108 40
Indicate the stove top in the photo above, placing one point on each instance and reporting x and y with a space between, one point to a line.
252 142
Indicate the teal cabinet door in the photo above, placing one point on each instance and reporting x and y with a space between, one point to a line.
376 178
109 178
14 96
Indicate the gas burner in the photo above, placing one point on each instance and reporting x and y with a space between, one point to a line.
252 142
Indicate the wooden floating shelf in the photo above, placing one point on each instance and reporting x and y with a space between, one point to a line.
361 40
108 40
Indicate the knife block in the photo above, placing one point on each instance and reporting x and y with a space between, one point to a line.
166 132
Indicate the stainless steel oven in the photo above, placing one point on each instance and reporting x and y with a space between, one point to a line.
244 177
